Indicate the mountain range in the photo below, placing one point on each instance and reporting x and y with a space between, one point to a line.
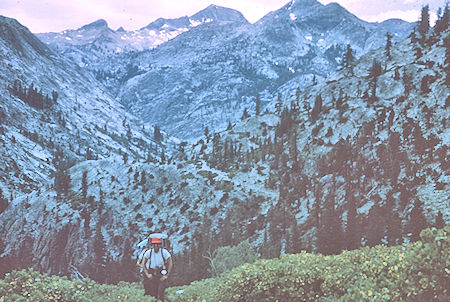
215 69
356 158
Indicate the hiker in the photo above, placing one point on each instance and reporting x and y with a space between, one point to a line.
143 247
157 267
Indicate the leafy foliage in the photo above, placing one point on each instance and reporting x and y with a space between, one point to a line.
30 285
228 257
408 272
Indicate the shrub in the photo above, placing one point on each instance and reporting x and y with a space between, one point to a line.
409 272
229 257
30 285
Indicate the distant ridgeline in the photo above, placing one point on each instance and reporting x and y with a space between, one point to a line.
32 96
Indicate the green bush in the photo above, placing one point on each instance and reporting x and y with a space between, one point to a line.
229 257
30 285
410 272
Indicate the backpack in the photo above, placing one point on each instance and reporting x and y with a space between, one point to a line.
142 247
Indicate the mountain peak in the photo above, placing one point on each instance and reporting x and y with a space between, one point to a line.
219 14
303 3
101 23
168 24
19 38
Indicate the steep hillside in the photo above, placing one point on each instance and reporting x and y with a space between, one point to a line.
53 114
207 76
356 160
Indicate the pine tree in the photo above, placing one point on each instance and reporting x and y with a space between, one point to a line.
278 105
245 114
376 226
84 186
447 61
206 132
374 72
3 202
295 244
396 75
157 133
317 108
394 229
387 49
443 21
407 82
62 181
100 255
424 84
340 99
330 235
229 127
257 105
424 23
348 59
417 221
440 223
128 266
143 178
352 234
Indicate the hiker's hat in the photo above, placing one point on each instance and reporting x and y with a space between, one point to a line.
156 240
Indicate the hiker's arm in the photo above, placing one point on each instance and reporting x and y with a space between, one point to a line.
169 269
145 268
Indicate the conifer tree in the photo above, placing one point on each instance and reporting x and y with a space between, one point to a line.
424 23
100 255
348 59
157 133
257 105
352 234
374 72
84 186
407 82
143 178
396 75
394 229
447 61
443 21
387 49
278 105
317 108
417 221
295 244
330 235
3 202
375 226
245 114
340 99
62 181
440 223
424 84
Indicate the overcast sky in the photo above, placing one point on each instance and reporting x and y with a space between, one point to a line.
57 15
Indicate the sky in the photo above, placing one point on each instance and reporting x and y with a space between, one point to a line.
58 15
